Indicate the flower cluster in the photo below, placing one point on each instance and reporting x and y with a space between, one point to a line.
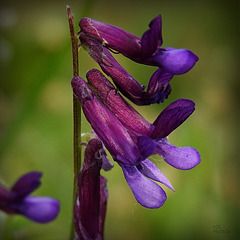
17 200
128 137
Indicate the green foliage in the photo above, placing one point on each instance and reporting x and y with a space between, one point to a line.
36 116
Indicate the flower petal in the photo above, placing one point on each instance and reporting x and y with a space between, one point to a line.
39 209
125 113
26 184
146 192
146 146
159 87
151 171
172 117
152 38
182 158
176 61
112 37
103 204
87 209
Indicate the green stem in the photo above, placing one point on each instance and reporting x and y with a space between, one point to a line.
76 116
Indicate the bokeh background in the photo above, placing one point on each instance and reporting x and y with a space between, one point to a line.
36 121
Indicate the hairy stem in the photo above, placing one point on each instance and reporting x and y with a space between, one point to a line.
76 116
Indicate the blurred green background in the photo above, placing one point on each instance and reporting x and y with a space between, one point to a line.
36 115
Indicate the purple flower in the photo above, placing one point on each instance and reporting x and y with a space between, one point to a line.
146 50
17 200
148 193
129 150
91 203
109 129
168 120
158 87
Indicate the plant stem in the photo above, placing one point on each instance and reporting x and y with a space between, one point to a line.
76 116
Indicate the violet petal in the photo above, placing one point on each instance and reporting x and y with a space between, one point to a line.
146 192
172 117
176 61
39 209
26 184
159 86
150 170
152 38
182 158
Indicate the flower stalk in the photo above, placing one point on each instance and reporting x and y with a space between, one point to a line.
76 114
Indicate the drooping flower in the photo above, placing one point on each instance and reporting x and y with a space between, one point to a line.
158 88
127 150
17 200
90 206
146 50
168 120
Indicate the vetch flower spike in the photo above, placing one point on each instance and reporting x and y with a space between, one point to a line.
146 50
17 200
90 206
158 87
168 120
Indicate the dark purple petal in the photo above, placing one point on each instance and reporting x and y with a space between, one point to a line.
25 185
39 209
172 117
81 90
175 61
111 36
106 163
151 171
108 128
146 146
146 192
159 86
125 113
103 204
182 158
152 38
87 208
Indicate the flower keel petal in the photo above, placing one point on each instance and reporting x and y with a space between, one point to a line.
151 171
39 209
146 192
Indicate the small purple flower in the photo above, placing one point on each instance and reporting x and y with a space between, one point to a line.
168 120
146 50
158 87
148 193
17 200
91 203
